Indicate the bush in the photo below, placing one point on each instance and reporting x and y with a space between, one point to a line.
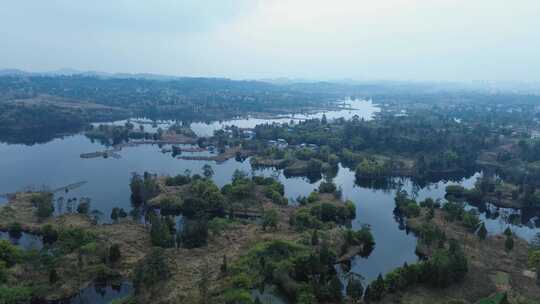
9 254
509 243
237 296
3 272
270 219
114 253
74 238
217 225
15 230
276 198
303 219
170 206
84 206
160 233
13 295
151 271
327 187
43 204
195 233
455 191
50 235
454 211
470 220
178 180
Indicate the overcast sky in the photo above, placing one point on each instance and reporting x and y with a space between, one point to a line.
358 39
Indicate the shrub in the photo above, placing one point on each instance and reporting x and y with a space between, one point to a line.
170 206
327 187
195 233
114 253
50 235
455 191
178 180
470 220
217 225
43 204
15 230
509 243
9 254
160 233
14 295
74 238
84 206
303 219
482 232
151 271
270 219
276 198
237 296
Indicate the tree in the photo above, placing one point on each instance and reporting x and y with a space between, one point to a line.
84 206
355 290
509 243
482 231
238 175
160 233
114 214
224 268
376 289
315 238
270 219
538 275
208 172
50 235
44 205
367 294
151 270
15 230
53 276
114 253
335 288
195 233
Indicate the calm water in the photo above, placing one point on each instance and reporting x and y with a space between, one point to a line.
364 109
100 294
57 163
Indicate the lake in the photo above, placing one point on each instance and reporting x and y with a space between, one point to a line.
57 163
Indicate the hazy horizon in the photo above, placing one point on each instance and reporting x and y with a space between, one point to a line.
413 40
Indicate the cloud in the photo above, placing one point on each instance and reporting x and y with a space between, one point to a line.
390 39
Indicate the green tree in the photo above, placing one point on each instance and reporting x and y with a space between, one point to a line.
84 206
208 172
44 205
335 289
53 276
270 219
195 233
160 233
224 267
482 231
151 270
376 289
114 253
509 243
355 290
314 238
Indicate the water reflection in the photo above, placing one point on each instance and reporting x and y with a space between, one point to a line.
100 293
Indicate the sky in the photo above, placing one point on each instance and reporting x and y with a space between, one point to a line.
419 40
